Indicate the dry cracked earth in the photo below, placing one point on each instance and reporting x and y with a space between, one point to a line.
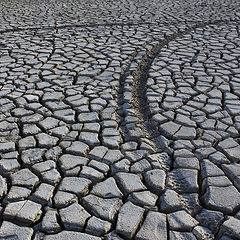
120 119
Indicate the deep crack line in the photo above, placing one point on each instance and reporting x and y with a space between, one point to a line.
18 29
171 23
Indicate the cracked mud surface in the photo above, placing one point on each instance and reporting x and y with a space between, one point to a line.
119 120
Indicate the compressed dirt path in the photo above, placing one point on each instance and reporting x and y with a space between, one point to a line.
120 120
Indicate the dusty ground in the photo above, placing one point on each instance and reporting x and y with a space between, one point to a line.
120 120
